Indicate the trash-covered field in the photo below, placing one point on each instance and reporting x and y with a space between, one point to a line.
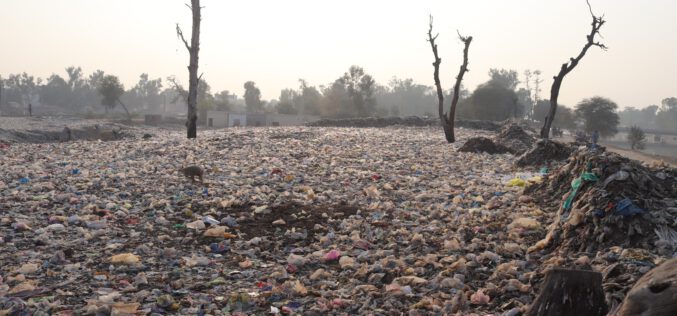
316 220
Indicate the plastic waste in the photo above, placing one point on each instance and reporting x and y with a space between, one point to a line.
618 176
627 208
575 186
332 255
516 182
210 220
125 258
220 247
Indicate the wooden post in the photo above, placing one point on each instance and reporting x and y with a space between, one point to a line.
570 292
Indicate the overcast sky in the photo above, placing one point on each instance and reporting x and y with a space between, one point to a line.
274 43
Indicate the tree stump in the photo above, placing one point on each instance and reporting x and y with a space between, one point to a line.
654 294
570 292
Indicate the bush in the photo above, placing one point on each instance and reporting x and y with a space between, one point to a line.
636 138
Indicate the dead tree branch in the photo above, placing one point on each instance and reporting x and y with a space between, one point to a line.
464 68
436 74
179 34
567 67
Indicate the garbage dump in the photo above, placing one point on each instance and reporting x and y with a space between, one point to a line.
544 152
512 138
483 144
515 138
303 220
612 213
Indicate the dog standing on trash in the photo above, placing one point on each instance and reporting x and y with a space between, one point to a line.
192 172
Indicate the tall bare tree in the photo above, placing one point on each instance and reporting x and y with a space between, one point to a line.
193 49
447 119
567 67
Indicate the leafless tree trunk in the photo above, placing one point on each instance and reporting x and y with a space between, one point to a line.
597 23
129 116
193 49
447 120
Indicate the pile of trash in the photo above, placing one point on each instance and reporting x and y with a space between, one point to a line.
544 152
483 145
612 214
515 138
402 121
511 139
610 200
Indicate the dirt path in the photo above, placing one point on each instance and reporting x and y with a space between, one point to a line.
632 154
638 155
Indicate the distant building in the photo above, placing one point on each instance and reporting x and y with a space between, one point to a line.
217 119
236 120
221 119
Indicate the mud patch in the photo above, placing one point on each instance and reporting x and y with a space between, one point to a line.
296 216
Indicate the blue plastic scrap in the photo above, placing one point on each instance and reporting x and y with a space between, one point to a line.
626 208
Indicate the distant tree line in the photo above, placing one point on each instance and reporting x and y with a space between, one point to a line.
663 117
78 93
355 93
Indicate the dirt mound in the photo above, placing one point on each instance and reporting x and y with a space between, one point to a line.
482 125
515 138
608 200
107 132
376 122
543 152
483 144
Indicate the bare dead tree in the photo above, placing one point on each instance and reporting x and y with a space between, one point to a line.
567 67
447 119
193 49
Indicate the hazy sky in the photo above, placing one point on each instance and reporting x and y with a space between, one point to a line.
274 43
